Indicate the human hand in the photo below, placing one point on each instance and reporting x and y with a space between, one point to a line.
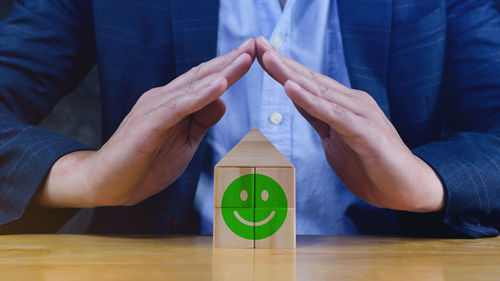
360 143
154 143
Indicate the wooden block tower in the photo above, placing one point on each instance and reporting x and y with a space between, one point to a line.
254 196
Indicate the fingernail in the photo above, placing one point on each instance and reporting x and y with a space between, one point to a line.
239 59
294 85
244 45
264 42
274 55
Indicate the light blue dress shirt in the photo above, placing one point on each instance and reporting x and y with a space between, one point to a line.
309 32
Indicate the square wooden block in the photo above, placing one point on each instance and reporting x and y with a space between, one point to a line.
284 176
284 237
254 186
224 237
224 176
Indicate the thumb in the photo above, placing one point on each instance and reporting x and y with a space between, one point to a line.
205 118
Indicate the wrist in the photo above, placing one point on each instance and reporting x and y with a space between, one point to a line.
65 185
430 194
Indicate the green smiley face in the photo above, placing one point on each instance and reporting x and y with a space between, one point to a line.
254 206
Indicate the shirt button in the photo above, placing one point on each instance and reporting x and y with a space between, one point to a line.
276 118
277 42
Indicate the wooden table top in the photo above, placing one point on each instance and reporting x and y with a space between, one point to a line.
86 257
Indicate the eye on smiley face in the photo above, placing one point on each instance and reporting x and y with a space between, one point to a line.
254 206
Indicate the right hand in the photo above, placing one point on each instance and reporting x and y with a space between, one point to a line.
154 143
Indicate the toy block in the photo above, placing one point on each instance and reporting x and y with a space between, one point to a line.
241 194
284 177
229 232
254 196
283 233
254 150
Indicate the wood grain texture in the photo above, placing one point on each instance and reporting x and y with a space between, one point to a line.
284 238
223 177
254 154
86 257
285 177
224 237
254 150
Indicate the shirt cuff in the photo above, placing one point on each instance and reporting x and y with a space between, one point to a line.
467 202
23 172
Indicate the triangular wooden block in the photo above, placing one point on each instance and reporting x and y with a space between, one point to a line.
258 210
254 150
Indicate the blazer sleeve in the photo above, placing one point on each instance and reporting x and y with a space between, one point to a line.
468 162
46 49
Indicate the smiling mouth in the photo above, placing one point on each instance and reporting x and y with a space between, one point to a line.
264 221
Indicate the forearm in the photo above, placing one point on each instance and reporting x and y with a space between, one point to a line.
468 165
429 190
65 185
154 143
27 154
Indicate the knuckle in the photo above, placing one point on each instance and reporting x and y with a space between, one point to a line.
196 71
173 107
171 103
370 99
147 95
312 74
152 91
364 95
372 103
337 110
366 98
324 91
359 93
201 67
189 90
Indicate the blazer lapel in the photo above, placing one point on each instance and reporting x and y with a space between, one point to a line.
195 25
366 34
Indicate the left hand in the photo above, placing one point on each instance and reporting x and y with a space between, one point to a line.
360 143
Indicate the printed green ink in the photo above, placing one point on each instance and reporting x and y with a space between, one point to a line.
254 206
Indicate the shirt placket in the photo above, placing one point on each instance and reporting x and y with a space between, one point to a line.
276 109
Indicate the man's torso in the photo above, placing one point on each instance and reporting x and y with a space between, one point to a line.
394 53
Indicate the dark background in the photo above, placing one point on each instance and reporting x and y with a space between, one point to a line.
78 115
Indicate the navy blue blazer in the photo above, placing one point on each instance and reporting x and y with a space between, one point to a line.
432 66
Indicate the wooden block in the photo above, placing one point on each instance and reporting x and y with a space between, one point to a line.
254 150
224 176
254 193
285 177
224 237
284 237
